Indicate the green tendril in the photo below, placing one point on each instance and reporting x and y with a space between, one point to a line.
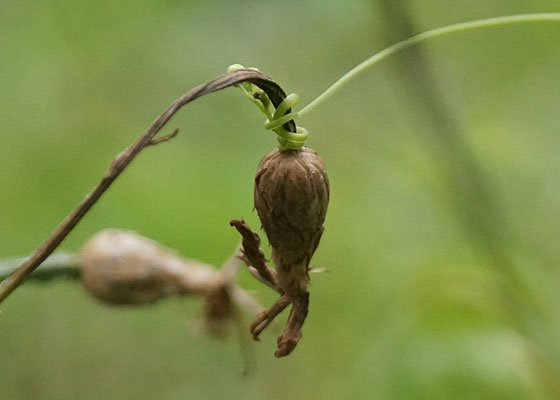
411 41
275 119
283 113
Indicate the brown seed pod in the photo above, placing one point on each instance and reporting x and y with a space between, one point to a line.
121 267
291 198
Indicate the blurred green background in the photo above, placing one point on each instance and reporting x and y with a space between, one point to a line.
442 233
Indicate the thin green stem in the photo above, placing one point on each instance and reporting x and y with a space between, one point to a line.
464 26
57 266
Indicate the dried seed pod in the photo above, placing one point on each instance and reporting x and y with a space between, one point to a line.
291 198
121 267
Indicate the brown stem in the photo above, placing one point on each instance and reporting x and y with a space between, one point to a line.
121 161
291 335
264 319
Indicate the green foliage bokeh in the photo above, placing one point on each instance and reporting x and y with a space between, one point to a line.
413 305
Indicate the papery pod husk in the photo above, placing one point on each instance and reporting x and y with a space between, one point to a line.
121 267
291 198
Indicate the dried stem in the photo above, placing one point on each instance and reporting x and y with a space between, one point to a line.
265 318
259 268
291 335
123 159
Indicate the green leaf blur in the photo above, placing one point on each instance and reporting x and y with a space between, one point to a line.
441 236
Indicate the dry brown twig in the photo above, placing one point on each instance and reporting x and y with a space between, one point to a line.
291 198
123 159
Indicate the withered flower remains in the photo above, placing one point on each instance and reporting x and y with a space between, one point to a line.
120 267
291 198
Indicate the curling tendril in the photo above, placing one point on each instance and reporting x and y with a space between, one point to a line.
275 120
